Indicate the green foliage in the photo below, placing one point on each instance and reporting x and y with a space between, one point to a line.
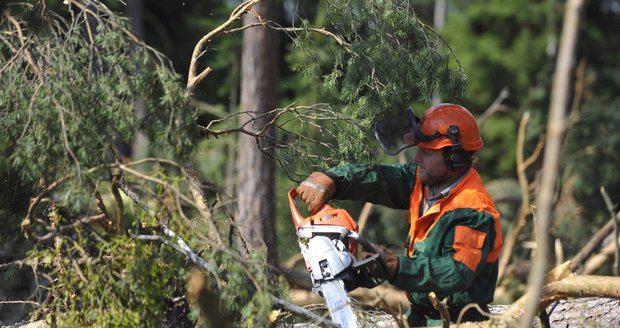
393 59
592 155
13 204
499 130
246 293
69 103
73 103
503 44
311 56
117 283
390 59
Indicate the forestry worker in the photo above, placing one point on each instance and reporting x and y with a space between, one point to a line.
454 236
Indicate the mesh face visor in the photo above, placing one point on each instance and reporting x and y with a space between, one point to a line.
398 132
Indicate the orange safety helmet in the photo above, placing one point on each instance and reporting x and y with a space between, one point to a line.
437 122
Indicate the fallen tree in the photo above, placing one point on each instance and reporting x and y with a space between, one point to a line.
567 298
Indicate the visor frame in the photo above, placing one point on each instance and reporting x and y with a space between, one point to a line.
418 135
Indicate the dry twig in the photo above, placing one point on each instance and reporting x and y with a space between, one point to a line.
593 243
442 308
597 261
495 107
524 212
612 211
556 126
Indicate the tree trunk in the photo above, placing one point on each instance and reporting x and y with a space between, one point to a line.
255 186
135 10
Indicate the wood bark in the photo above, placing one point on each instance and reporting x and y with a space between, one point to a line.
255 166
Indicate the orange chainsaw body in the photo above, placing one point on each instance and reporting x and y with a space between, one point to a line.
325 216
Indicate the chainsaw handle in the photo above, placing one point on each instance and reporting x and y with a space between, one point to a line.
297 217
363 241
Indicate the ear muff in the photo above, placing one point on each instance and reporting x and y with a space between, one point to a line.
455 158
455 155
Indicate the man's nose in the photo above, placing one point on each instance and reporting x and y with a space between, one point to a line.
417 158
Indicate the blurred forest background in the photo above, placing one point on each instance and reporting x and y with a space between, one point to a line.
129 147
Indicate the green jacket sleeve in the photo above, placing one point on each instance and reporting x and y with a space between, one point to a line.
388 185
437 270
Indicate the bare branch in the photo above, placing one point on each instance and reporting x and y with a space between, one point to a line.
27 222
178 242
595 262
612 208
556 126
593 243
319 320
524 212
442 308
173 240
364 215
276 27
535 154
165 184
317 116
200 201
20 302
120 215
193 79
495 107
580 86
8 264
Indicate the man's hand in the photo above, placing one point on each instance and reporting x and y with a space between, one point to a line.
388 266
316 190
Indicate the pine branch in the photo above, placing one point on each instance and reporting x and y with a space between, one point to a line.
175 241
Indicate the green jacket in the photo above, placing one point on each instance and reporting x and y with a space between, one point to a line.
453 247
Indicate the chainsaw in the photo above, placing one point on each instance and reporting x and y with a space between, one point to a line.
329 243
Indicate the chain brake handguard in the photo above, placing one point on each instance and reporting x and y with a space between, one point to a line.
371 271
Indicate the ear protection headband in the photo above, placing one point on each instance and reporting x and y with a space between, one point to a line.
455 155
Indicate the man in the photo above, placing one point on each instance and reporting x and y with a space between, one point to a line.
454 235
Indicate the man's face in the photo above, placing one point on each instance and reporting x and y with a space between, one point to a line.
432 168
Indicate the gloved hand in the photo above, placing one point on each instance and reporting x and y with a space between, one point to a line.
316 190
387 266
